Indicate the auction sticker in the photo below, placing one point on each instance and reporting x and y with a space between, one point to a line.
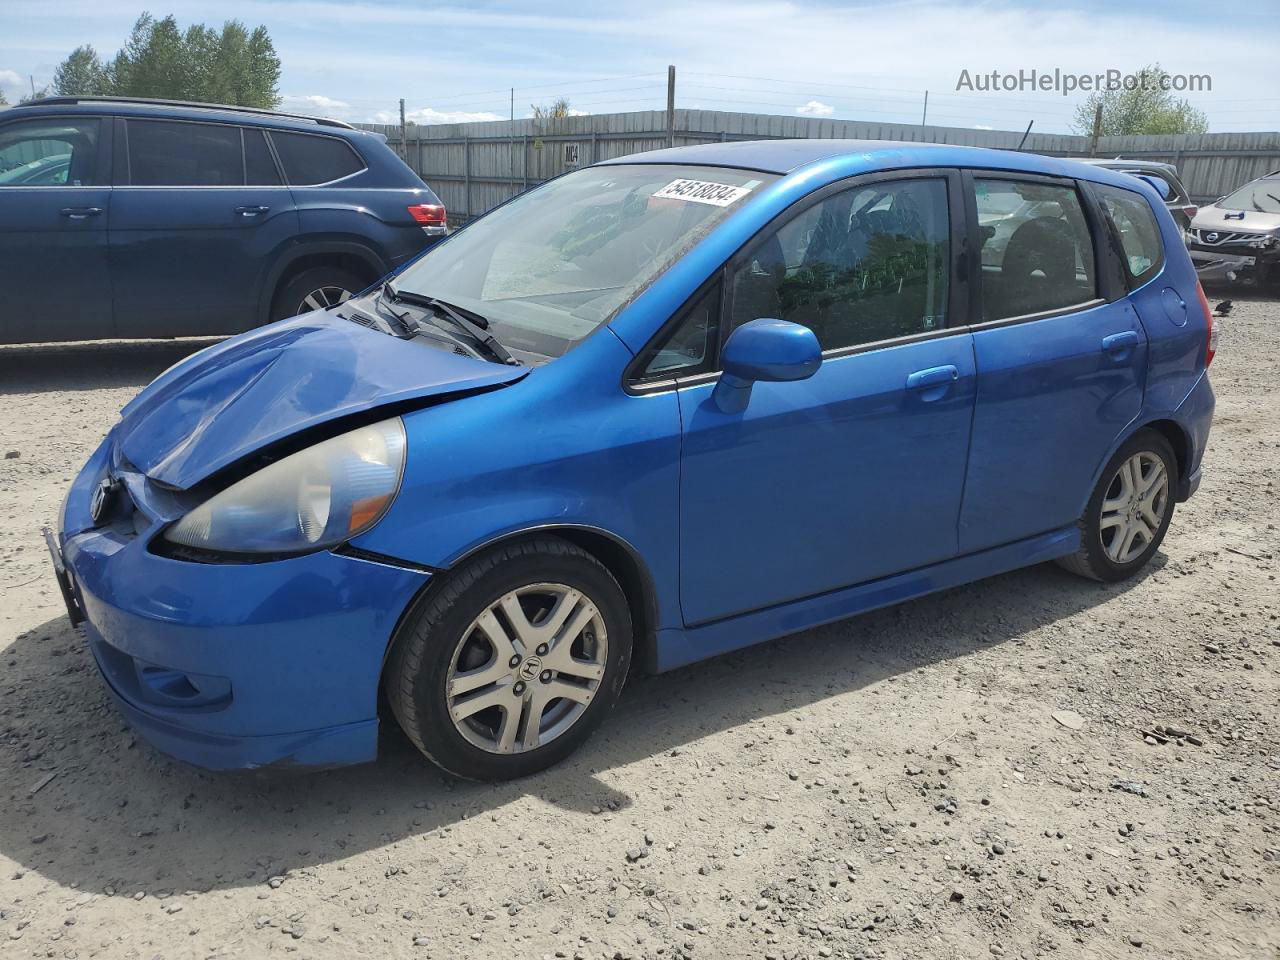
702 191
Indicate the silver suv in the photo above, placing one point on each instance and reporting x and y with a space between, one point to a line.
1237 237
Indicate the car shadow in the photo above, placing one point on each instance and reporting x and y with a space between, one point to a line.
55 367
118 814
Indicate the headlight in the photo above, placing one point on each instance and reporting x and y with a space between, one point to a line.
313 499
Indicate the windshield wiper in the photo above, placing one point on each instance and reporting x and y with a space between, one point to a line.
474 326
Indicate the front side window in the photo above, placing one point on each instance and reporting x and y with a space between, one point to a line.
309 160
867 264
166 153
552 265
1137 227
1037 254
49 153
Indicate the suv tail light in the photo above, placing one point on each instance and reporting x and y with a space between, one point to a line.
1211 332
428 214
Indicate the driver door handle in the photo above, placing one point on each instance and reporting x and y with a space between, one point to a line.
80 213
251 211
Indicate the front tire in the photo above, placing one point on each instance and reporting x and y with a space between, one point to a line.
509 664
1130 510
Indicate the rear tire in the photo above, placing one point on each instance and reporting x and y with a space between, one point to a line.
316 288
539 631
1129 512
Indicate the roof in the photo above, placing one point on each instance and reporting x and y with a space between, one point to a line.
179 109
787 156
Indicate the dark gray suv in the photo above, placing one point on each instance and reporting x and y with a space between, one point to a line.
147 218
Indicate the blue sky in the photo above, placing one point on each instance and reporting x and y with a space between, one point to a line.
868 61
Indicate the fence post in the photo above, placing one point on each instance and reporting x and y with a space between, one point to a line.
466 171
671 106
593 145
404 142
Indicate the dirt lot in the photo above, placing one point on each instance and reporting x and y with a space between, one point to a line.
896 786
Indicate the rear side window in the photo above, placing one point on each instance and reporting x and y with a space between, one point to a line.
1137 228
165 153
1037 254
310 159
259 166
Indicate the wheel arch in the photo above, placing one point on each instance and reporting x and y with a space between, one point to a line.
1179 439
619 557
348 254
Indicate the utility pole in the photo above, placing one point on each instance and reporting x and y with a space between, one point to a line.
33 85
404 143
924 117
1097 131
671 106
511 147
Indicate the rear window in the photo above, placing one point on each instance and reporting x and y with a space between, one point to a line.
165 153
310 159
1137 228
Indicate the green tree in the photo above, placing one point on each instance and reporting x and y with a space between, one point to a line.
159 59
1147 108
38 95
81 74
3 101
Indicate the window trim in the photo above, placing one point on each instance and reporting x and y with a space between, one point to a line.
284 172
958 281
971 174
1132 281
102 152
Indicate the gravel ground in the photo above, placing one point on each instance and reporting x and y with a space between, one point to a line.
1029 766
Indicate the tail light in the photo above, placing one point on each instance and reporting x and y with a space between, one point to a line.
1211 332
428 214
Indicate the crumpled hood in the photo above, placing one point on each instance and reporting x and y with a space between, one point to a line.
238 396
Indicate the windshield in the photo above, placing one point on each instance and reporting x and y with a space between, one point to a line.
1261 196
552 265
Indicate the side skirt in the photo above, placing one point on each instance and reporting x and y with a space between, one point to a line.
678 647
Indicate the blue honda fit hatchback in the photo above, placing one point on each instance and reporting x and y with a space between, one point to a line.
654 410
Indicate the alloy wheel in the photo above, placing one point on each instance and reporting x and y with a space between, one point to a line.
322 298
1133 508
527 668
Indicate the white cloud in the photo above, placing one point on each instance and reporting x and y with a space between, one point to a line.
427 115
816 108
315 101
982 126
12 84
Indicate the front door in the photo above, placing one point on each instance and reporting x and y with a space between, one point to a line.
856 473
55 198
1061 370
194 230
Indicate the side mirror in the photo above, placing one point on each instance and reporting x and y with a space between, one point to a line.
1160 184
770 350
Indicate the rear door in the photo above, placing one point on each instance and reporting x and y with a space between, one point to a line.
1061 358
199 217
55 198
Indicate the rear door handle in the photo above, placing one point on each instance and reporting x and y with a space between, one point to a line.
1120 341
251 211
80 213
932 377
